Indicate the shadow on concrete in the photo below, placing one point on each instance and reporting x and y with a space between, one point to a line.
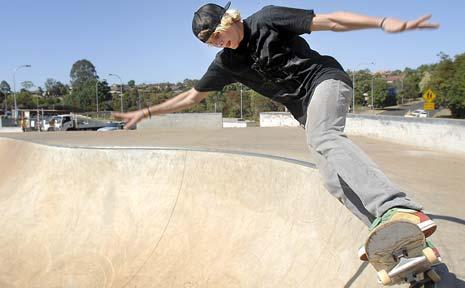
448 218
356 275
449 279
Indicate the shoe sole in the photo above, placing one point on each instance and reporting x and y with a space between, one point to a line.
427 227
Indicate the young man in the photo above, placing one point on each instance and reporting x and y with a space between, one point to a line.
266 53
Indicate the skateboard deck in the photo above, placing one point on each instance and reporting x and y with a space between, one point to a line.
398 252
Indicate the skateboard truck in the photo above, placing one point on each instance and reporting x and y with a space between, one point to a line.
408 268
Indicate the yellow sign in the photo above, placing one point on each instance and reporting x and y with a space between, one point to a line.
429 96
428 106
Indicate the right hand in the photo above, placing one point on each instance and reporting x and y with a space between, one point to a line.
393 25
131 118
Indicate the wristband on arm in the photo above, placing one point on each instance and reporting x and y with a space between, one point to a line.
147 113
382 23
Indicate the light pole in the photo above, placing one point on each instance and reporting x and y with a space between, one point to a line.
372 91
121 89
14 87
242 117
353 85
96 94
402 89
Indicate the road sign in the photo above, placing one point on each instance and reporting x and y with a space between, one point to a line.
429 96
428 106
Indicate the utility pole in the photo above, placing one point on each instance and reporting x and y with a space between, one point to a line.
121 90
14 87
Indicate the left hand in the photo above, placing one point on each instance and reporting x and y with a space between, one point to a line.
393 25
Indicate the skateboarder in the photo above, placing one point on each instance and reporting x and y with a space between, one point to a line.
266 53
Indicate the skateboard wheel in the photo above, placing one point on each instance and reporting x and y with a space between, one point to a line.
430 255
384 277
433 276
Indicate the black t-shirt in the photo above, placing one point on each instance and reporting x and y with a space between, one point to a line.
274 60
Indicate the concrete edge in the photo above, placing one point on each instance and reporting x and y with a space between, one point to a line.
163 148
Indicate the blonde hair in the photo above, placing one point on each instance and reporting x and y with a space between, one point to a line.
229 18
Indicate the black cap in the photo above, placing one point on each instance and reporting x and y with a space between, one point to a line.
207 18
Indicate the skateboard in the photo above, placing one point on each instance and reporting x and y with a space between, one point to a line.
398 252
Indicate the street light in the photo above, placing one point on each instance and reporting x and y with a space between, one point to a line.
96 95
353 85
14 87
242 117
121 89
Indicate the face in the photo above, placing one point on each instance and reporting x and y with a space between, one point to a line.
230 38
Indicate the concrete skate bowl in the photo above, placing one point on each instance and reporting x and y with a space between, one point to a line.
128 217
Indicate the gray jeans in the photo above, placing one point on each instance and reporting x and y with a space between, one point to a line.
348 173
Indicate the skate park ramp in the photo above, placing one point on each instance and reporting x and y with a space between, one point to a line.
148 217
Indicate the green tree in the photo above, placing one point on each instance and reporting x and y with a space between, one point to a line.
104 96
383 96
27 85
24 100
83 80
40 91
411 82
55 88
82 71
425 81
441 78
362 85
131 97
260 103
456 95
5 89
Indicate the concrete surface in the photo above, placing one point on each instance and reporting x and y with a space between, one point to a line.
278 119
136 216
184 120
445 135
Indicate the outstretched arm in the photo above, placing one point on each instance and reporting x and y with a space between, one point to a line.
180 102
347 21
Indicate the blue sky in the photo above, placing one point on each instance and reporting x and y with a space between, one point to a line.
151 41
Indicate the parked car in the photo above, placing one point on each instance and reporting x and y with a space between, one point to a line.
417 113
420 113
112 126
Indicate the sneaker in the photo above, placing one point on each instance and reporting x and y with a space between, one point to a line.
423 222
419 218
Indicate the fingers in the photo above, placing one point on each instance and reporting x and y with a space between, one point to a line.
131 123
421 23
117 115
424 18
429 26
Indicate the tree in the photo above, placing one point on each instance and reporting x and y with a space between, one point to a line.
260 103
411 82
27 85
425 81
55 88
82 71
24 99
83 80
441 78
456 95
362 85
383 94
40 91
132 83
5 89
